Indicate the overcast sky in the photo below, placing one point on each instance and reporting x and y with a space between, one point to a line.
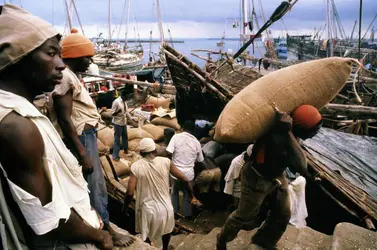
195 18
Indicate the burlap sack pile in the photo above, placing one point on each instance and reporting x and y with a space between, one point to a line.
158 102
156 131
165 121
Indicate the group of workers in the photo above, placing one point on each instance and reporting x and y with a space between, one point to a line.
56 188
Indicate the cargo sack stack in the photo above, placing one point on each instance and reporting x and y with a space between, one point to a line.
122 167
158 102
156 131
250 113
165 121
137 133
106 136
102 149
134 145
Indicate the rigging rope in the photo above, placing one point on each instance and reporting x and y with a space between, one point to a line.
280 11
121 22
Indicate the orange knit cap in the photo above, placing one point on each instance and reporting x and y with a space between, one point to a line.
76 45
306 116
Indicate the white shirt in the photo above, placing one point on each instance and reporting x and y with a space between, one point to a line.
186 149
232 187
84 110
121 118
69 189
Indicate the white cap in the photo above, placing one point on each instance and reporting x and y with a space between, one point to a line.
147 145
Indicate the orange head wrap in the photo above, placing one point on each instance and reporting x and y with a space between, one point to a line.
76 45
306 116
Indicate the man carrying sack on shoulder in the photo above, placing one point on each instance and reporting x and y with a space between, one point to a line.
263 177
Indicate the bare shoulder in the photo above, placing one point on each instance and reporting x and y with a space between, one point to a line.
20 141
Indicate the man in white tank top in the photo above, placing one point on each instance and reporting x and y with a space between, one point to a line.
44 186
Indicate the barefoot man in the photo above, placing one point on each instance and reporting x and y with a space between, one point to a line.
263 177
154 210
78 119
43 183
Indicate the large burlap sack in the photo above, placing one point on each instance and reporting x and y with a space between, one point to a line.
102 149
171 123
134 145
158 102
131 156
250 113
208 178
106 136
124 181
121 167
137 133
156 132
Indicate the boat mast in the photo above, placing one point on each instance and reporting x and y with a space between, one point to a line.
353 30
69 19
160 23
244 23
127 23
371 23
78 17
360 19
121 23
329 26
109 21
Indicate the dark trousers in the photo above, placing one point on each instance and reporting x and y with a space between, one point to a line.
96 180
119 131
255 190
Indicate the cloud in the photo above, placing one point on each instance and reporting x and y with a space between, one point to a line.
197 18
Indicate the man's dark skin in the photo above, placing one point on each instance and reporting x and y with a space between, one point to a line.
22 146
63 108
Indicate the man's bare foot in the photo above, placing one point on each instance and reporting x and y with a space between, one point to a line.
120 240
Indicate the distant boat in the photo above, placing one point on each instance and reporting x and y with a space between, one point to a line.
281 49
220 44
112 60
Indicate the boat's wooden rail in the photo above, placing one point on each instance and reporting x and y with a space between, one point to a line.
349 197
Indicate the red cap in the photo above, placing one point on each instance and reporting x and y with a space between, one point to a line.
306 116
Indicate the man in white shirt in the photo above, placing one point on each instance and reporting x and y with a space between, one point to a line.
185 150
233 176
120 118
